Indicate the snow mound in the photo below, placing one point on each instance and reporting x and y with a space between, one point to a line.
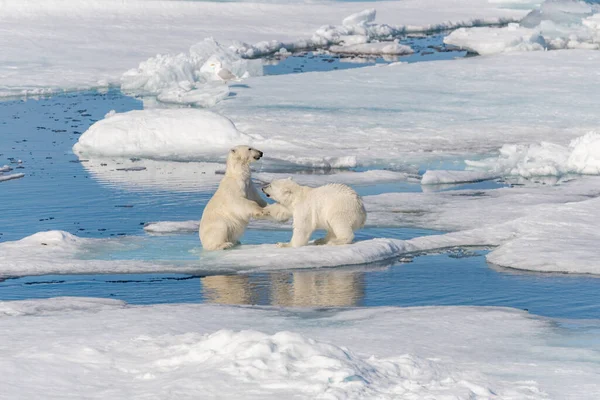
311 367
557 24
581 156
378 48
161 134
214 351
189 78
58 252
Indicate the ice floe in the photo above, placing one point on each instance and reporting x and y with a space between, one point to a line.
229 352
562 24
548 229
59 252
43 51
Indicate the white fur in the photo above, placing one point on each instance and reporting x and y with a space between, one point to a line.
336 208
228 212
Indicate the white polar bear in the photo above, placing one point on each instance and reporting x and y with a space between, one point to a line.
335 207
228 212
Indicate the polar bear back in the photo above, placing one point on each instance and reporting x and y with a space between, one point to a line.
332 201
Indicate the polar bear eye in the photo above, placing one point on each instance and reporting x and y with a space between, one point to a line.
233 150
250 148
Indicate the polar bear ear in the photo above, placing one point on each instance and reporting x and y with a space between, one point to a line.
233 150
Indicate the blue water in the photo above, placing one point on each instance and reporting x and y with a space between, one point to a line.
59 193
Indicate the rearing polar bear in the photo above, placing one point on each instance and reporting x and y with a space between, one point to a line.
335 207
228 212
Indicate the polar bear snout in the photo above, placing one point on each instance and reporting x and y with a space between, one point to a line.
265 189
258 154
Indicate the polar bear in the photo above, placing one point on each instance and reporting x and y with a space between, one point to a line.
335 207
228 212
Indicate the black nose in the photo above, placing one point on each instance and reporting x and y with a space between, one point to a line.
260 153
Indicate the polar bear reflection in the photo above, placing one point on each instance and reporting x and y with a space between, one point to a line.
298 289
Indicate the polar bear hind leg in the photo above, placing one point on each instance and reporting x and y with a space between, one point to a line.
339 232
328 237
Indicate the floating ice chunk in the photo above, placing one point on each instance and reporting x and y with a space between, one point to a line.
5 168
383 48
436 177
4 178
161 134
582 156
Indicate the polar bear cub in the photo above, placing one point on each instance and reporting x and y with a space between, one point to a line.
335 207
228 212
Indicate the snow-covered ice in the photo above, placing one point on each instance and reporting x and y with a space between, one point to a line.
80 44
557 24
75 345
546 228
474 105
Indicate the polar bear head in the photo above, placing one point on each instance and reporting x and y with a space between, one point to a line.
283 191
243 155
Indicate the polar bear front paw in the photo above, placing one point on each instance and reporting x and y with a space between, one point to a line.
282 244
260 214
